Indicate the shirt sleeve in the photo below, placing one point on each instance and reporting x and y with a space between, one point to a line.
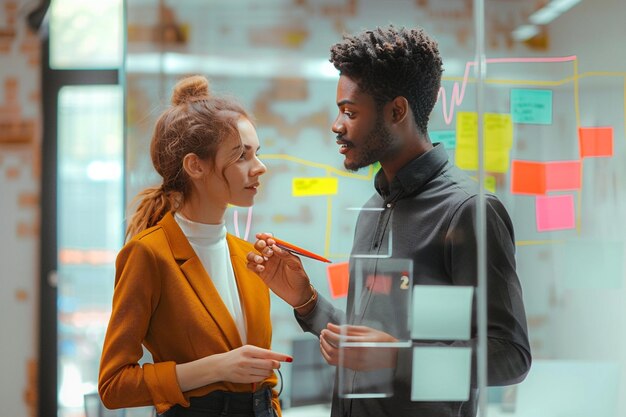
122 381
508 349
322 314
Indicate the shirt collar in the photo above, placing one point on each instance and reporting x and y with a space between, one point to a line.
413 175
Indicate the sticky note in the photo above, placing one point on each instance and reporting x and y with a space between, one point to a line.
590 264
497 160
528 177
338 278
531 106
498 131
441 373
313 186
446 137
595 141
379 284
490 183
467 129
555 212
563 175
466 158
441 312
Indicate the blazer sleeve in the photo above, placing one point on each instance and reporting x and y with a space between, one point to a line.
122 381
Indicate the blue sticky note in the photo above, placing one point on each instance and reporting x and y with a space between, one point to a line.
441 312
441 373
446 137
531 106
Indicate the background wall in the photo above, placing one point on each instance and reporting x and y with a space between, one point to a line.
19 206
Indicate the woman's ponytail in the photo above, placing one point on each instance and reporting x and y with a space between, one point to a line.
154 203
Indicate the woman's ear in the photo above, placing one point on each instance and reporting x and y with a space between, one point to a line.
193 166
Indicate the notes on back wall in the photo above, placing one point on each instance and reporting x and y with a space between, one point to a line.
498 139
531 106
314 186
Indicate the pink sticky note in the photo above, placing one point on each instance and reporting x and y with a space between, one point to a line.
379 284
555 212
562 175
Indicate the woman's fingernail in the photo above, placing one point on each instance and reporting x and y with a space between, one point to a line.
289 359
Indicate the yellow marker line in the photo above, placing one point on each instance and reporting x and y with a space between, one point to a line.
538 242
328 168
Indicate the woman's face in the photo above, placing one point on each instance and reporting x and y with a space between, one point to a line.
236 182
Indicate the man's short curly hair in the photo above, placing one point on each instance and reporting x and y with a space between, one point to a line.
391 62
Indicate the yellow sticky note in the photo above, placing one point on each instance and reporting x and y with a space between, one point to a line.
466 129
310 186
497 160
490 183
498 129
466 158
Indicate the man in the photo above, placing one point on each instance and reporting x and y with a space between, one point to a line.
388 86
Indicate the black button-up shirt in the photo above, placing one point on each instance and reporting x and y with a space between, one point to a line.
427 215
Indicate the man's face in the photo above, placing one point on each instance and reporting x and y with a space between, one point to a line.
360 127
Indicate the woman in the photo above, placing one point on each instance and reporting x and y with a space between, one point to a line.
182 289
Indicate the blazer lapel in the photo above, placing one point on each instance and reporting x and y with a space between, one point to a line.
199 279
253 294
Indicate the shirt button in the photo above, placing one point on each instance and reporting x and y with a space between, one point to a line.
389 205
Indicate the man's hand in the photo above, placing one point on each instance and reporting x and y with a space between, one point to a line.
357 358
281 271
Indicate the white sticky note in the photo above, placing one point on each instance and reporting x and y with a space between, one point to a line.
441 312
441 373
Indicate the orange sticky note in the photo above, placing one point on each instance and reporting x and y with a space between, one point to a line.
528 177
595 141
338 277
563 175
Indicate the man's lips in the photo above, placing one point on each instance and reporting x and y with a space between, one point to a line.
344 146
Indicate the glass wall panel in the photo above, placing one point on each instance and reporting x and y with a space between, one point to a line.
90 232
561 81
553 138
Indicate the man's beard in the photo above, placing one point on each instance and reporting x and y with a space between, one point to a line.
373 148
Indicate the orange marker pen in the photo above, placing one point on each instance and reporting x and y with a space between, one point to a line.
296 250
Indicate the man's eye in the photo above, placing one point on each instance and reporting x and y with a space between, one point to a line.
347 113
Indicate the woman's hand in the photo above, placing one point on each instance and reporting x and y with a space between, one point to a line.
247 364
281 271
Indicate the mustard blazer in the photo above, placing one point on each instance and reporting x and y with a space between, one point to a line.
164 299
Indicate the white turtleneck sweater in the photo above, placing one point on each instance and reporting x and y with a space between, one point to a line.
209 243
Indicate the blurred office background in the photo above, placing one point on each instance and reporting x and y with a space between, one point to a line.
81 84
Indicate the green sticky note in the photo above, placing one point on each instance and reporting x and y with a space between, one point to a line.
446 137
441 312
441 373
531 106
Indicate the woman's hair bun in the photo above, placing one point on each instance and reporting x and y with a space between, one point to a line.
194 87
